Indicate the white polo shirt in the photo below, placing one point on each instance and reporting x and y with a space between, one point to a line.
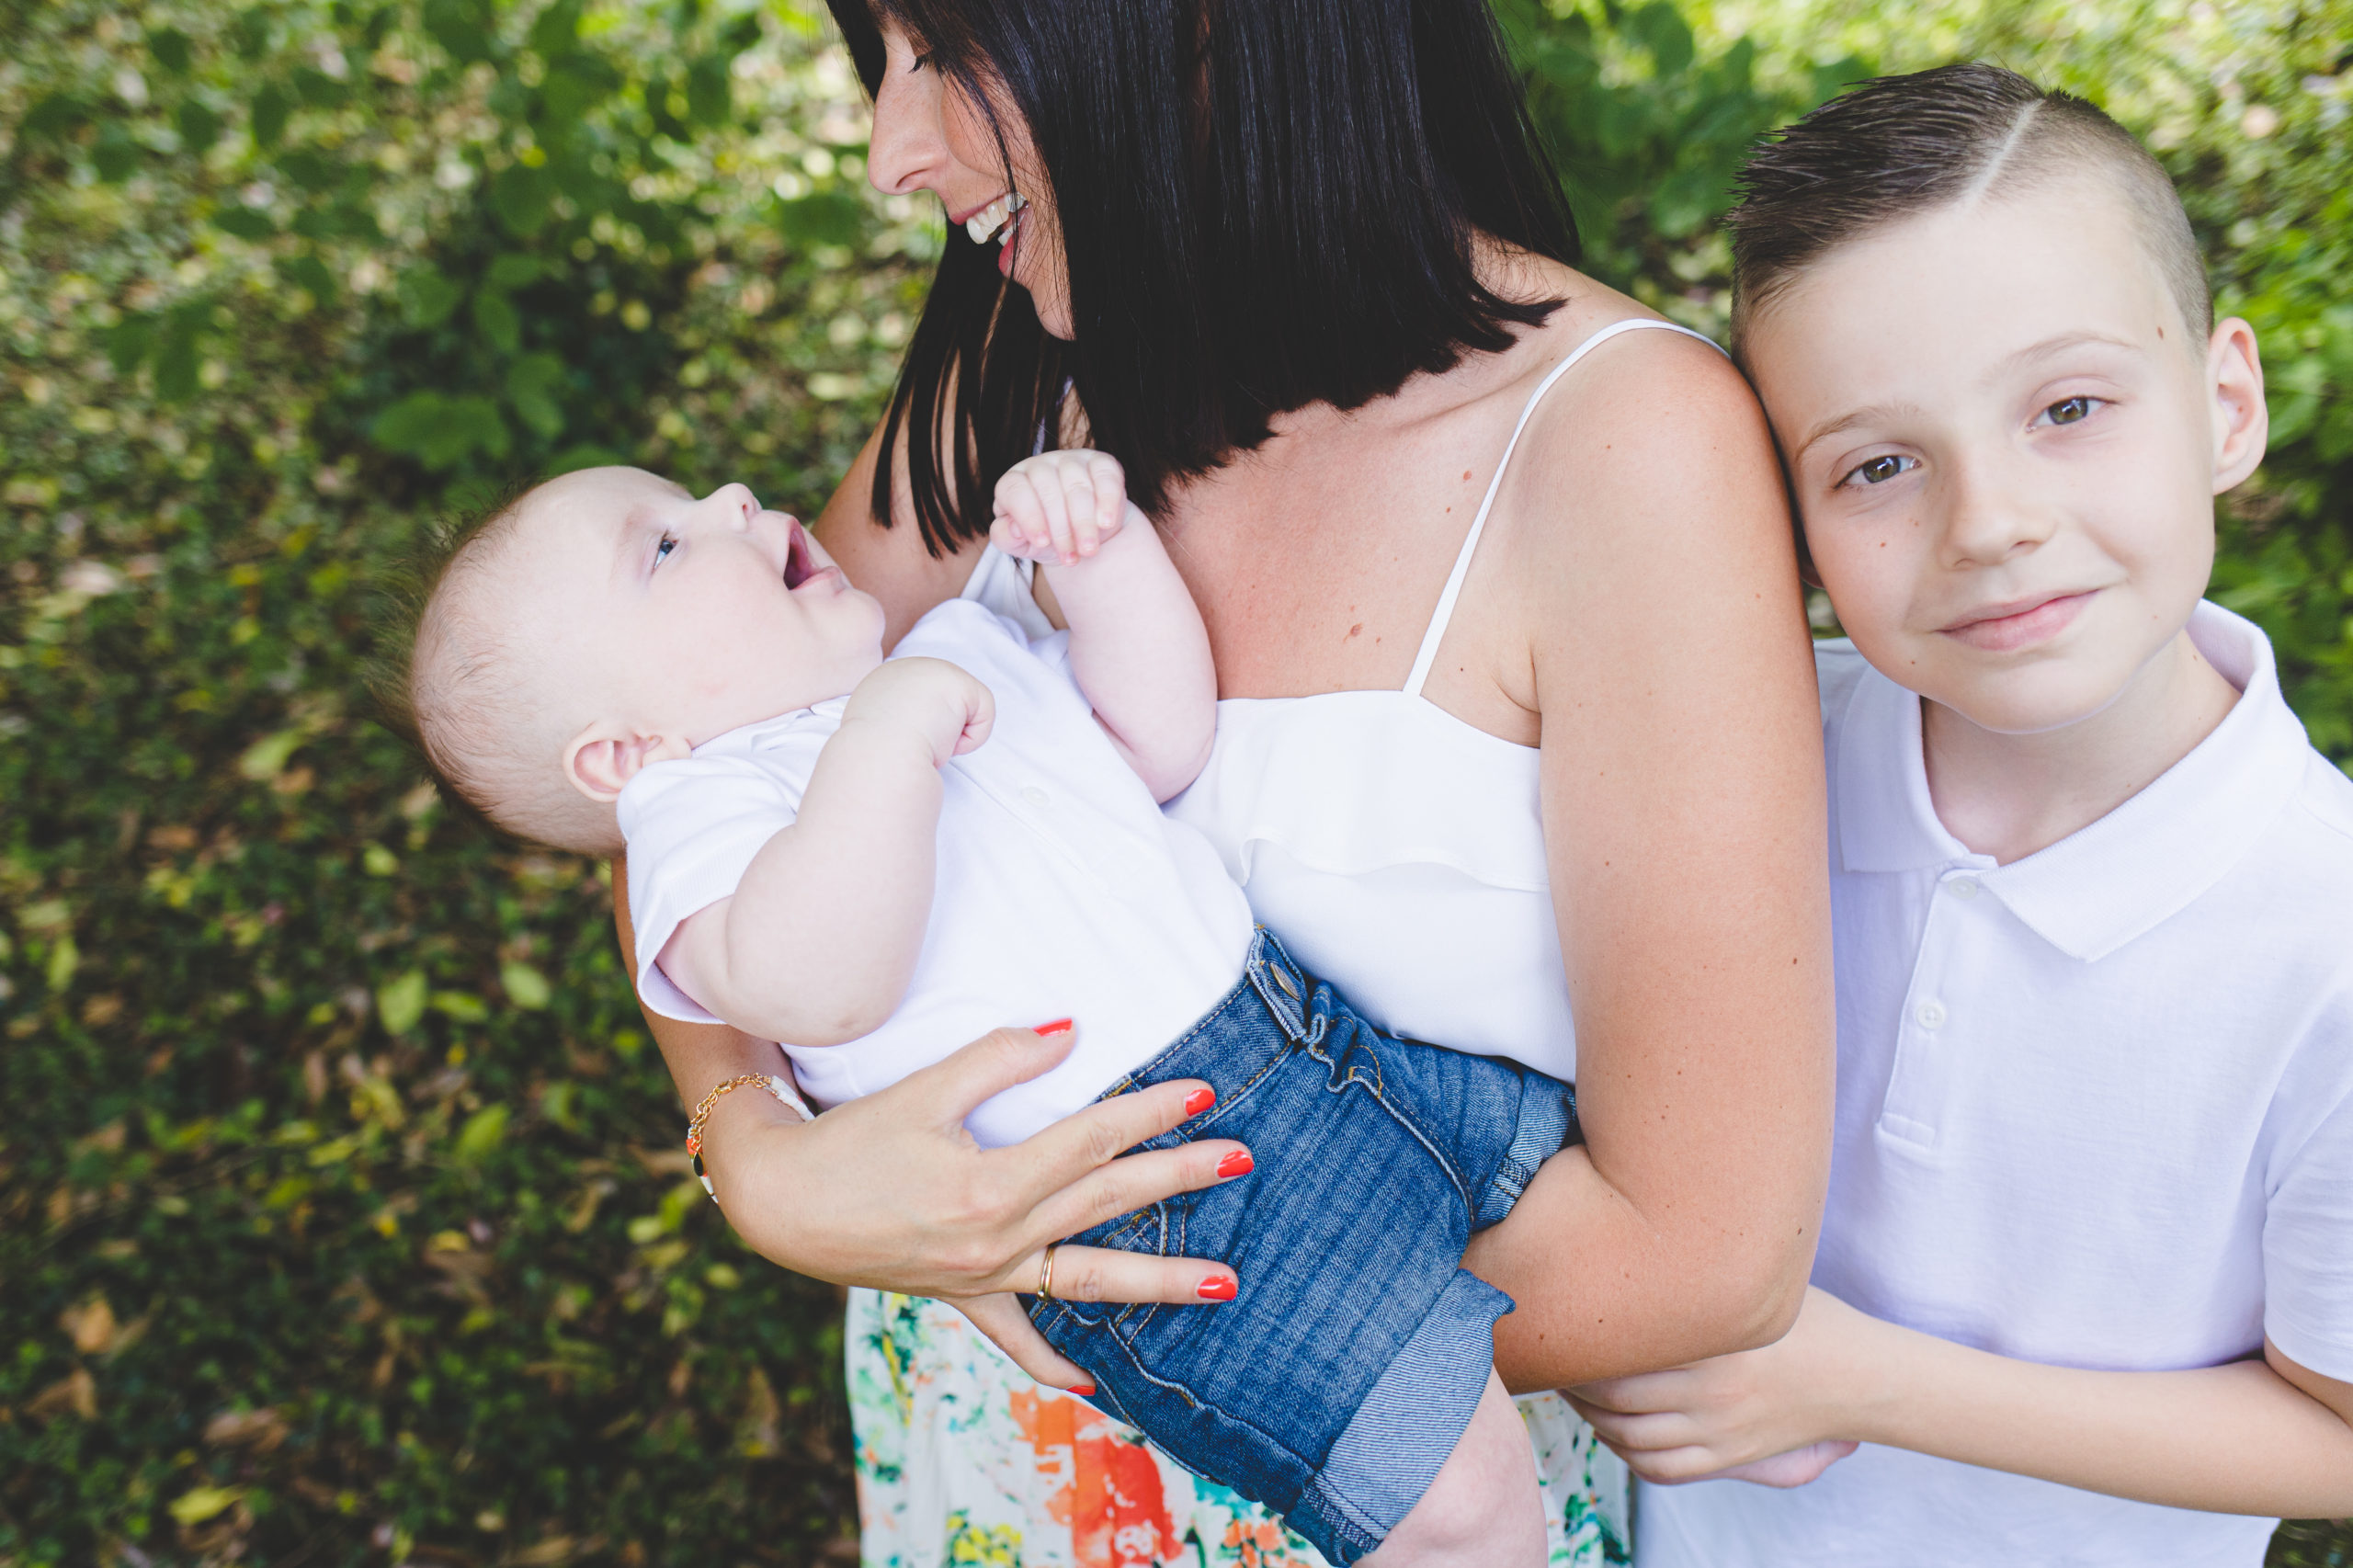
2095 1109
1060 890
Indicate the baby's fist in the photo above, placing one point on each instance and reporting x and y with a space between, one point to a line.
942 702
1059 507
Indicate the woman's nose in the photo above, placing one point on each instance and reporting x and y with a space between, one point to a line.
908 150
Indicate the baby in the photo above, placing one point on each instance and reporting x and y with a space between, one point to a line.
872 860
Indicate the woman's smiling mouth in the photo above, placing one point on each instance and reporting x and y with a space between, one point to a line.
983 225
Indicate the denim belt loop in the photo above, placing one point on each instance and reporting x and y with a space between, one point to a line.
1278 984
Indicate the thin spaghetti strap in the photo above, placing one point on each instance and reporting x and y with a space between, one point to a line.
1427 655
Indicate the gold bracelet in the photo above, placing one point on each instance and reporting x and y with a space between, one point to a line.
775 1086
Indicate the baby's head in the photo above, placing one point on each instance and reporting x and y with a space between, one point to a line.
1979 323
607 619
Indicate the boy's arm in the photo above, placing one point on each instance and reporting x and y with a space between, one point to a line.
2256 1437
820 939
1137 645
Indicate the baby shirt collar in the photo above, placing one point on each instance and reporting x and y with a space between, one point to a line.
2098 889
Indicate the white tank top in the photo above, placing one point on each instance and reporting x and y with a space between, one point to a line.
1398 851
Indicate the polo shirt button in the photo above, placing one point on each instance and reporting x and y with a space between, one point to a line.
1964 887
1931 1014
1035 796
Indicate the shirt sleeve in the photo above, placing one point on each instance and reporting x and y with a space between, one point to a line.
694 827
2308 1221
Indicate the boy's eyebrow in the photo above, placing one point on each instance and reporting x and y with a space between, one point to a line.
2025 355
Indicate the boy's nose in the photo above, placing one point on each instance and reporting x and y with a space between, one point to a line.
1987 522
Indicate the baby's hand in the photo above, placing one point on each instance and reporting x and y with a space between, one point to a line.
938 701
1059 507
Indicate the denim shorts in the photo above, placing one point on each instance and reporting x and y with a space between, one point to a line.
1343 1375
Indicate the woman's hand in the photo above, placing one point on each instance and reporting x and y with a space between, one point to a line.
1779 1416
890 1191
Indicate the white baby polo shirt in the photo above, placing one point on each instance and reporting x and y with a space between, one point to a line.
2095 1109
1061 889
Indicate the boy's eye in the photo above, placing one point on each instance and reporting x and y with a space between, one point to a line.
1879 470
669 542
2068 410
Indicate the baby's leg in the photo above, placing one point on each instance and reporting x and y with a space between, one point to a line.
1482 1510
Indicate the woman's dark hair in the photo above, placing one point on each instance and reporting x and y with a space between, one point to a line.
1899 146
1263 204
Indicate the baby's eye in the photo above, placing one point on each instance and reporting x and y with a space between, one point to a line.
2069 410
669 542
1879 470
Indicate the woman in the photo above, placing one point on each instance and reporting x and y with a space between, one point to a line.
1301 267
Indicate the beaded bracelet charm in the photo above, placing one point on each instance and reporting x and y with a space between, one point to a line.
785 1095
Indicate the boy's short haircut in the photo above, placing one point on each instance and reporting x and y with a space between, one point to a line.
1899 146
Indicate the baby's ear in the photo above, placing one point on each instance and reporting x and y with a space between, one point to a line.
607 756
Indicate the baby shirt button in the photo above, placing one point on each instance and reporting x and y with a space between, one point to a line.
1035 796
1931 1014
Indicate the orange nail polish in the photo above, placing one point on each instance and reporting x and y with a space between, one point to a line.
1084 1391
1217 1287
1199 1101
1238 1163
1060 1026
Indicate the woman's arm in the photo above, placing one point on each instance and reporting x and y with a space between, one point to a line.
1684 823
2266 1436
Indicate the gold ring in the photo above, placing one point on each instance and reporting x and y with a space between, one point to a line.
1046 1274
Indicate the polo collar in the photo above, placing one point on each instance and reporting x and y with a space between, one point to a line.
2098 887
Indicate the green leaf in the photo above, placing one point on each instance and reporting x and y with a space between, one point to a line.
65 958
310 170
199 127
400 1005
169 46
129 342
1660 28
58 115
709 98
554 30
318 89
481 1135
115 156
266 758
825 218
253 30
521 194
513 269
178 364
199 1503
271 108
526 986
461 27
463 1007
245 222
427 298
309 272
531 383
495 319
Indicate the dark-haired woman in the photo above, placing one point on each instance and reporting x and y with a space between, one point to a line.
1519 724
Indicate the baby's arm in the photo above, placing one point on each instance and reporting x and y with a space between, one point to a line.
819 940
1137 644
2254 1437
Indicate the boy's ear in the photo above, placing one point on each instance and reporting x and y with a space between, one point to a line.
2242 421
607 756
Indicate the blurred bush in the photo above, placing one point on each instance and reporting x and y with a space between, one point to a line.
340 1211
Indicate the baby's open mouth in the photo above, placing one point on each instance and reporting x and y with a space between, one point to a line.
798 562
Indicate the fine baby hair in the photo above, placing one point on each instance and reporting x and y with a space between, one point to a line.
1902 145
457 686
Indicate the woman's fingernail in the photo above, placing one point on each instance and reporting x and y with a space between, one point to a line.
1060 1026
1216 1288
1084 1391
1238 1163
1199 1101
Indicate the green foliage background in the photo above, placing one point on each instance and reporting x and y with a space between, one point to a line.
341 1219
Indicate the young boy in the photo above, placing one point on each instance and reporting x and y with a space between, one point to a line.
2085 1293
875 860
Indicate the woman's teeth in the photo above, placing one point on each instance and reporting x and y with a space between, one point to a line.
983 225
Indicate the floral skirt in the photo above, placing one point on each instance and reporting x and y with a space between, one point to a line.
963 1459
